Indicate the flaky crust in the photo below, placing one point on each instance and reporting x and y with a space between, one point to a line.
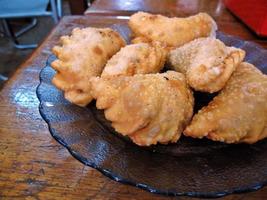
82 55
142 58
172 31
206 62
148 108
137 40
239 113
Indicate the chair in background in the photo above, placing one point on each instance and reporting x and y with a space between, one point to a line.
77 7
12 9
2 79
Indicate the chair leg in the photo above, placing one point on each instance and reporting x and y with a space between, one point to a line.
3 78
26 28
54 11
59 8
9 32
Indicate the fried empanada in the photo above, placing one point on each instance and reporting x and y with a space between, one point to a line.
140 40
81 56
148 108
172 31
239 113
141 58
206 62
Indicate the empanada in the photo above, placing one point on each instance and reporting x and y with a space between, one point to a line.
141 58
82 55
206 62
148 108
172 31
239 113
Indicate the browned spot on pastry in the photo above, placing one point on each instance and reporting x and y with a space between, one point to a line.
131 69
202 68
166 78
174 84
153 17
116 35
97 50
79 91
161 34
102 33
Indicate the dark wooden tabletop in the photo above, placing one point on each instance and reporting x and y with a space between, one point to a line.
173 8
32 164
166 7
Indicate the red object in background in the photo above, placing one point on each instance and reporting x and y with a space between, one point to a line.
252 12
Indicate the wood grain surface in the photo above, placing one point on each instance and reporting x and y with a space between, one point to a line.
166 7
77 7
32 164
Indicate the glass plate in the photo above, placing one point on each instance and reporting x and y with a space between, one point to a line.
191 167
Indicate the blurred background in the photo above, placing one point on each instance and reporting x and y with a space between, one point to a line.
24 24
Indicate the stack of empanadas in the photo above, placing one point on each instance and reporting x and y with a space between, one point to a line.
150 106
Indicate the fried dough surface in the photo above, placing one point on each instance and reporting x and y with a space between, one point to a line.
239 113
141 58
82 55
149 108
174 32
206 62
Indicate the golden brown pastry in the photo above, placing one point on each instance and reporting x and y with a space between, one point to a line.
149 108
239 113
82 55
172 31
140 40
206 62
142 58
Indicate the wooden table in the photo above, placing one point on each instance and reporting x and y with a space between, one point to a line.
77 7
176 8
32 164
166 7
